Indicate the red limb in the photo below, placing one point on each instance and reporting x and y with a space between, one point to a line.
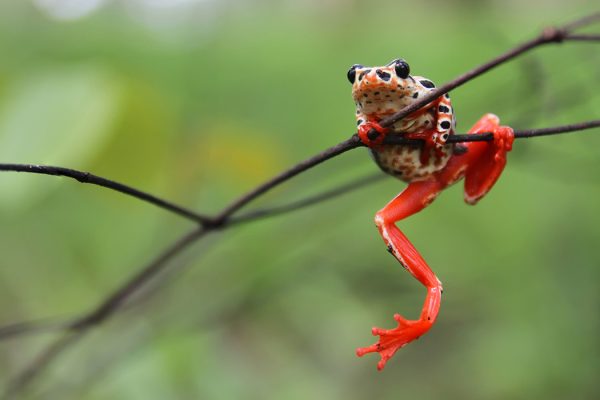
372 141
412 200
481 166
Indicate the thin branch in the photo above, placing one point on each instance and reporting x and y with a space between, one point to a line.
529 133
331 152
80 326
309 201
31 327
43 359
549 35
581 22
86 177
116 299
488 136
584 37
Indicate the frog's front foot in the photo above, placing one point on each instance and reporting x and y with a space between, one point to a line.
372 134
392 340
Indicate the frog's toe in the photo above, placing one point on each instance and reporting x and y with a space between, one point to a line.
392 340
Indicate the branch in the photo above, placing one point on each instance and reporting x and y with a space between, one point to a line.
308 201
584 37
549 35
44 359
31 327
113 302
331 152
86 177
222 220
581 22
488 136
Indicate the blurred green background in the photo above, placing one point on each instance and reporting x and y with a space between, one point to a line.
199 101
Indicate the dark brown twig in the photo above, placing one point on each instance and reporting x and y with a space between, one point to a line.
584 37
529 133
113 302
581 22
302 203
116 299
488 136
549 35
331 152
41 362
31 327
86 177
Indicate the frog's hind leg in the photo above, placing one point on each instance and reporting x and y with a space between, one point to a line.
413 199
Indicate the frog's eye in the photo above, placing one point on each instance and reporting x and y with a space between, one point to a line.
352 72
401 67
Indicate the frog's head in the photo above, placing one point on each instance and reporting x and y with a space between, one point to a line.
381 90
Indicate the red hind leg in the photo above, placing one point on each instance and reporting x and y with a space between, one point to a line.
413 199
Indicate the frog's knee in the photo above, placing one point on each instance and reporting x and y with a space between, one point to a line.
379 219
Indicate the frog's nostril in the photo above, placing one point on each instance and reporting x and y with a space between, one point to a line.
384 76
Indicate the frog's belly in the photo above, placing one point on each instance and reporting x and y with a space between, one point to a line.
404 162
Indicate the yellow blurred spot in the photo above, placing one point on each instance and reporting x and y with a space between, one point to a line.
235 153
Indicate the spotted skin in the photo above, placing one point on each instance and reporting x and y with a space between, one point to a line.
379 92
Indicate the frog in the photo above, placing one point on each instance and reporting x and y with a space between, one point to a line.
428 168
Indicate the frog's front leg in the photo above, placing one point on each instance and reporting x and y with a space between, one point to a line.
370 132
435 138
412 200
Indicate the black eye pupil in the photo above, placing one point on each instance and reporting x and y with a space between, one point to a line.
352 72
402 69
351 75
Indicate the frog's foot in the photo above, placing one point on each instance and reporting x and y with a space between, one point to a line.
485 170
413 199
504 137
391 340
375 138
